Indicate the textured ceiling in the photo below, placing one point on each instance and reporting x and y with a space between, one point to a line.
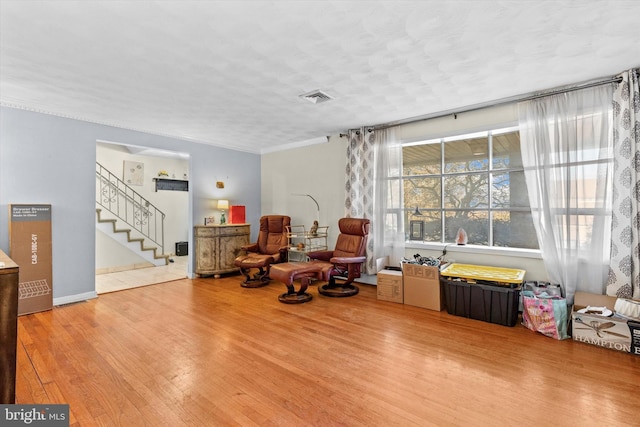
229 73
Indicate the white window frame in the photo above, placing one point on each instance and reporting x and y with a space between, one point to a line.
488 249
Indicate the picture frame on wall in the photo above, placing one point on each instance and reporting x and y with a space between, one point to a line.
416 230
133 173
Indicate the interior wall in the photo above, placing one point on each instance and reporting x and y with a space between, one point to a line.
50 159
317 170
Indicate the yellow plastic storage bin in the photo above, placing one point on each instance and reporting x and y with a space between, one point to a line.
485 275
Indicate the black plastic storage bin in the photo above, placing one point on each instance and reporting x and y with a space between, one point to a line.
493 304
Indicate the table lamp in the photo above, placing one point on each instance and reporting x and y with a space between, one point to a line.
222 205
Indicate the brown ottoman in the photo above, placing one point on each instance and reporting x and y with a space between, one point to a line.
289 272
259 261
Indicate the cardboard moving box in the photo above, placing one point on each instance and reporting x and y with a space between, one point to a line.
389 286
615 332
635 336
422 286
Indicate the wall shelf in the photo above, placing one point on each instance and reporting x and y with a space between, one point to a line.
171 184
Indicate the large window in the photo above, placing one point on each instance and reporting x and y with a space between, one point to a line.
474 182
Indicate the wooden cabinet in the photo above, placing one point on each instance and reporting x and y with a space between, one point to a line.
217 247
8 328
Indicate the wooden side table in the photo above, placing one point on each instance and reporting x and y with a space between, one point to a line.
8 328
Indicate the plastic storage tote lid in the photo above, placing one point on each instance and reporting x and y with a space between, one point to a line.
481 272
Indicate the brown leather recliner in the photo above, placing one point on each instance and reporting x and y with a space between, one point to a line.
270 248
345 260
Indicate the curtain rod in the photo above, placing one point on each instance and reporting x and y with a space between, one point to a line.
504 101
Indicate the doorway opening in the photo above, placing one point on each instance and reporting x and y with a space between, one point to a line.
122 261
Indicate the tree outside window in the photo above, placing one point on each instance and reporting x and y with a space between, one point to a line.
475 182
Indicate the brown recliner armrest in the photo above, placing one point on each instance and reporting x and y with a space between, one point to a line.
321 255
348 260
252 247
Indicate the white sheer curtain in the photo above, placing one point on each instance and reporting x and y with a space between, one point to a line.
373 191
624 273
567 150
387 208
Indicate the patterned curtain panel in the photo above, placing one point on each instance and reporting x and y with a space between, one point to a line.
359 197
624 271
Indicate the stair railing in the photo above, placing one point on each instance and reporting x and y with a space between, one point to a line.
128 205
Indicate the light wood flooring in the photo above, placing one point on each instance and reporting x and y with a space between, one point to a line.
207 352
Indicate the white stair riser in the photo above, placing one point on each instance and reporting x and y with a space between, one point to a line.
107 227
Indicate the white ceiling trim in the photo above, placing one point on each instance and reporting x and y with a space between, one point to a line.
299 144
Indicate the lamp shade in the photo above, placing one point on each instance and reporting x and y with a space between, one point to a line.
223 204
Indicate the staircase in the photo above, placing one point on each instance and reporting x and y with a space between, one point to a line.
116 204
136 244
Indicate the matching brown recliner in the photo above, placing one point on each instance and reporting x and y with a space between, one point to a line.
270 248
345 261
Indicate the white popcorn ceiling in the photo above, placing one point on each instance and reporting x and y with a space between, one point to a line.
230 73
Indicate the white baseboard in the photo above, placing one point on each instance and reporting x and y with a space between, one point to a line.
75 298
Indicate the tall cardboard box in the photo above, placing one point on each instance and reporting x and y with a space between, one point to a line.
30 248
422 286
389 286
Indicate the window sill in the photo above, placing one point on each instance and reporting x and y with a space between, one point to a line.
477 249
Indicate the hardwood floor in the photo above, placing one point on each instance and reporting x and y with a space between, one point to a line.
208 352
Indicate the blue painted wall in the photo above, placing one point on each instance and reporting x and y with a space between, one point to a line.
47 159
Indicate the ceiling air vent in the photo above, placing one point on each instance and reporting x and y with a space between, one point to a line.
316 97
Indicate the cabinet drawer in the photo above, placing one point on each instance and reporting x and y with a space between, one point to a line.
234 231
206 232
